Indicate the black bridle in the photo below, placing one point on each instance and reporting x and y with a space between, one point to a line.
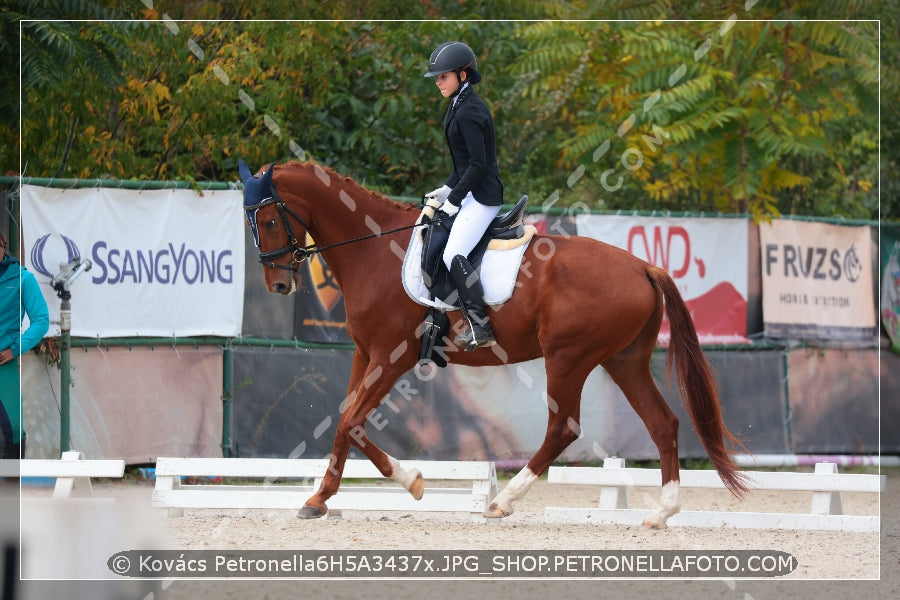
299 252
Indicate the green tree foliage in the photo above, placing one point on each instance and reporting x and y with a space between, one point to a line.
53 42
766 117
759 109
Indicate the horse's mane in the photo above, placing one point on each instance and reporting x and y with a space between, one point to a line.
348 181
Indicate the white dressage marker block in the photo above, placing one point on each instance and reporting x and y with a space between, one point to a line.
171 493
72 472
826 511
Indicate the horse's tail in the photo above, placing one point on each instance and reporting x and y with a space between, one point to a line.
697 385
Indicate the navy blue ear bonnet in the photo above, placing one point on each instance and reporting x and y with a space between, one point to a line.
258 192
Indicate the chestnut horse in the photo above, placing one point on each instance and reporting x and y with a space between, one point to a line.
579 303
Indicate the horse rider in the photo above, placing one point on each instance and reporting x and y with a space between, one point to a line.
473 191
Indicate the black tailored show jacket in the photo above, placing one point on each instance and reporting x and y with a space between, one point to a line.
469 130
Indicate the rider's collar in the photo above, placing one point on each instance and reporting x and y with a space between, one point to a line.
460 94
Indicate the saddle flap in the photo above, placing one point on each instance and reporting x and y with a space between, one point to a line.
435 236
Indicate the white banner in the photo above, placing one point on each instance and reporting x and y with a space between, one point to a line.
707 258
163 262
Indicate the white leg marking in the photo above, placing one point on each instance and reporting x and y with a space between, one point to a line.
411 480
401 475
517 487
669 504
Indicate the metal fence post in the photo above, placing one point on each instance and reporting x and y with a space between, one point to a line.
226 400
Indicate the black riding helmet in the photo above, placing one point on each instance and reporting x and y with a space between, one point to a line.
450 56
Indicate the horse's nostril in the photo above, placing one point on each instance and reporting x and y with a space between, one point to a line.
279 288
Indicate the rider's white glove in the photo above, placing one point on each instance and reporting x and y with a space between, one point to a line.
439 195
448 208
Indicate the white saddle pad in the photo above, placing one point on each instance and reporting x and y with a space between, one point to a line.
499 270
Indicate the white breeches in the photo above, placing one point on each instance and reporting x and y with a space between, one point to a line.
472 221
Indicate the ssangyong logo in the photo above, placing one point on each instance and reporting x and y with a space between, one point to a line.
39 249
171 263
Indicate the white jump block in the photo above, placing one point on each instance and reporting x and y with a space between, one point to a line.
826 510
171 493
72 472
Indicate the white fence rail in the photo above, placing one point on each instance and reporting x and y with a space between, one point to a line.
171 492
72 472
826 509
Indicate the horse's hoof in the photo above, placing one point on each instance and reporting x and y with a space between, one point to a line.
654 525
495 512
417 489
311 512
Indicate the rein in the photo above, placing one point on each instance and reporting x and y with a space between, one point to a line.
300 253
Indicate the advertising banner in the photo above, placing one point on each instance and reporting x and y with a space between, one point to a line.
817 281
890 283
163 262
707 258
320 314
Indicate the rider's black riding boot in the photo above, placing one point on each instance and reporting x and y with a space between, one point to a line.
471 295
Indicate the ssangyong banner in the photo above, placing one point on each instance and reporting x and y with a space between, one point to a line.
817 281
163 262
707 258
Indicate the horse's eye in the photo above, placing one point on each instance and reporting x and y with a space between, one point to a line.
269 224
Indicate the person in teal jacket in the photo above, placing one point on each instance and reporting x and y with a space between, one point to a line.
19 295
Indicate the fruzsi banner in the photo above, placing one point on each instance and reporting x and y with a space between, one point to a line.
163 262
817 281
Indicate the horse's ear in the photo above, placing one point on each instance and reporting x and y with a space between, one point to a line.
244 170
267 176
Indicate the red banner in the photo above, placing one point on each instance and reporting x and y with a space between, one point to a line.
707 258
